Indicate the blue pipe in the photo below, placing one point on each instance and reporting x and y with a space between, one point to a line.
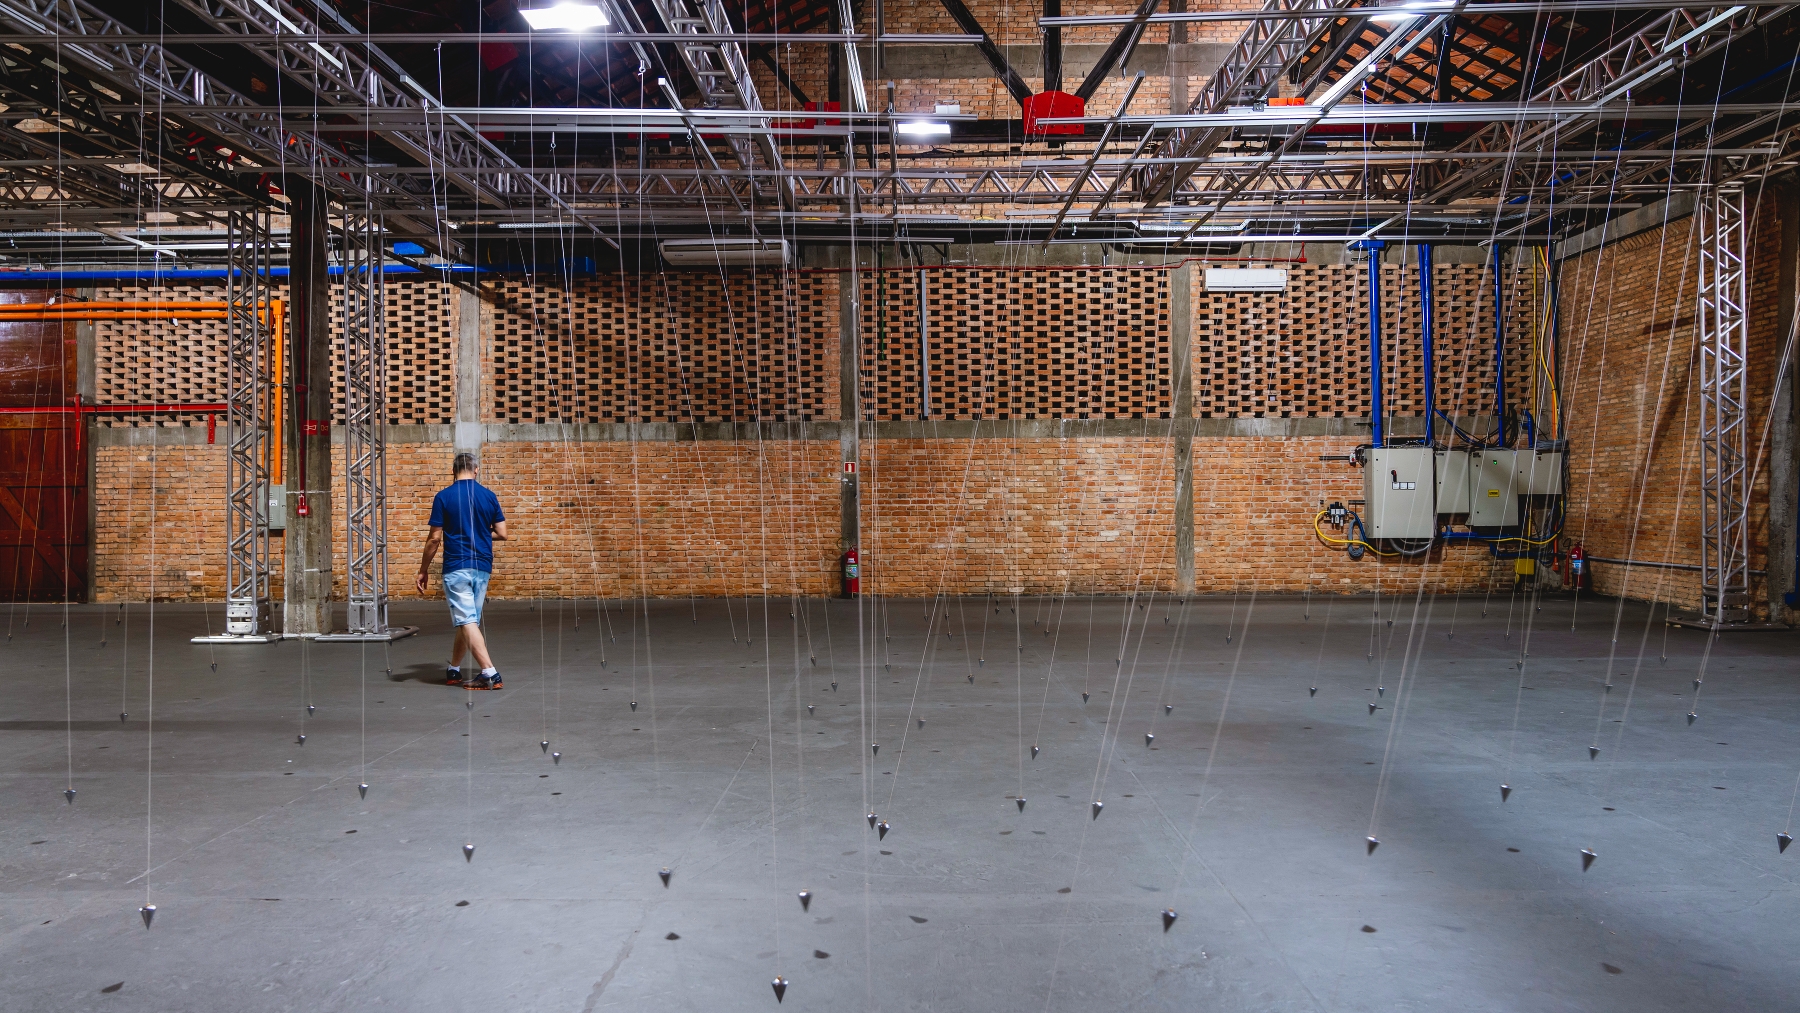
1500 439
1374 247
1425 336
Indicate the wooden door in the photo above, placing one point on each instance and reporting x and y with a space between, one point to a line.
43 467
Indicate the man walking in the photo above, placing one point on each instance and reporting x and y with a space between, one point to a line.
466 521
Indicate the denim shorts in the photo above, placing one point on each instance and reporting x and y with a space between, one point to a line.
466 590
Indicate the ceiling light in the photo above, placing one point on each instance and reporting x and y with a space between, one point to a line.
566 17
1405 12
924 128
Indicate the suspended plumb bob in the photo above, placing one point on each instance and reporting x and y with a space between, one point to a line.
1034 752
664 874
122 717
1505 791
556 759
468 852
809 708
806 900
1096 810
780 986
1782 840
1314 691
1149 738
877 748
1372 844
148 913
872 818
1371 708
362 790
634 705
310 708
1691 717
301 740
834 685
1168 708
544 746
1084 697
1593 751
1587 858
921 722
69 795
1169 916
881 830
1021 801
469 702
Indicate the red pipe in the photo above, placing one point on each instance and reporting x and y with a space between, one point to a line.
119 409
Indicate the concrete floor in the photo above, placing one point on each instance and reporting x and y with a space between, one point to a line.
277 888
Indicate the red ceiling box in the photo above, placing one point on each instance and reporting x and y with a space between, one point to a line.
1053 105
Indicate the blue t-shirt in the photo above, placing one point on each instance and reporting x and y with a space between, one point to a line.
466 510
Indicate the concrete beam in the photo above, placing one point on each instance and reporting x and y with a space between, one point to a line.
903 63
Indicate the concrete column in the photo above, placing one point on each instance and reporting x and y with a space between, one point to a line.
307 574
87 388
1178 61
1784 438
849 388
1181 321
468 373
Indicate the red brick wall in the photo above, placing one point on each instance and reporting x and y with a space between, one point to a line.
160 523
1633 373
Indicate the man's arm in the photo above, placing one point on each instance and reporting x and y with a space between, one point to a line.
499 529
432 542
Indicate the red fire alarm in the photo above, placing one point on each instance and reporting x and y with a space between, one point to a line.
849 467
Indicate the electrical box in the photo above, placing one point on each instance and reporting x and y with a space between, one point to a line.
1494 489
1538 472
276 513
1453 481
1399 492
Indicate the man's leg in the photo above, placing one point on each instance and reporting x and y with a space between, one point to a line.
458 646
477 644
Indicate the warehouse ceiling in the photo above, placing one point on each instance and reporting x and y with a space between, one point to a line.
128 130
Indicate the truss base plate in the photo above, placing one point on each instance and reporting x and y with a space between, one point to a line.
391 633
1703 623
237 638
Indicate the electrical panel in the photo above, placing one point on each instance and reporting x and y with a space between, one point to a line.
1399 492
1494 490
1538 472
1453 482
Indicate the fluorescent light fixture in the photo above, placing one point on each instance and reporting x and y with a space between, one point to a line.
924 128
1405 12
566 17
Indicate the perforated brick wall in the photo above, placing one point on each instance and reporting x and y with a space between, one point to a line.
670 346
1019 344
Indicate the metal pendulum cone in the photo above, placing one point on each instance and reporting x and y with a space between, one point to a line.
1169 917
780 986
1372 845
806 900
1096 810
310 708
469 702
1609 687
634 705
1380 691
148 913
664 875
1168 708
815 659
1587 858
881 830
1021 801
872 818
1149 738
69 795
1312 692
215 667
1593 751
921 722
468 852
971 680
363 790
1696 683
122 716
1084 697
1034 752
544 746
979 663
556 759
301 740
1505 792
877 748
1691 717
1371 708
1782 840
809 708
834 686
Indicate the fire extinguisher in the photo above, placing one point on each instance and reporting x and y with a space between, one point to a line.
1578 571
852 574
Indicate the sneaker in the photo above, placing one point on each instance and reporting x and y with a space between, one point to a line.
479 681
453 676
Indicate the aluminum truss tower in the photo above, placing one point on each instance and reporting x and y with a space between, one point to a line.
359 256
250 402
1724 326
